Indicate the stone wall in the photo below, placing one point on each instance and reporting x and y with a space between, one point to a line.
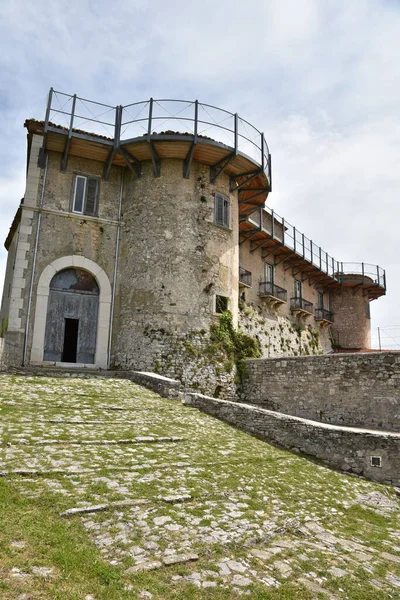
173 261
191 358
11 344
344 448
360 390
352 326
280 336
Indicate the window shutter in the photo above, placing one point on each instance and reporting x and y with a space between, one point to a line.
219 209
91 192
80 184
222 206
226 212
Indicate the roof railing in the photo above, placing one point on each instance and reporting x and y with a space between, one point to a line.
154 117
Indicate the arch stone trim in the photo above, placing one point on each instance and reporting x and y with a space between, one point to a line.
42 298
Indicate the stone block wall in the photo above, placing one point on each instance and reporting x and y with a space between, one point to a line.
352 326
280 336
359 390
343 448
11 345
191 358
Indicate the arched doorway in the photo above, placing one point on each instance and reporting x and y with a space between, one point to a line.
72 315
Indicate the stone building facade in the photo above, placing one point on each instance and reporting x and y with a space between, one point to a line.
124 253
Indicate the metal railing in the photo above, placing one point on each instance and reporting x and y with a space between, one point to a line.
364 272
270 289
322 314
281 230
301 304
155 117
244 277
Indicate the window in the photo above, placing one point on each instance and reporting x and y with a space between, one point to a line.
269 273
297 288
320 300
367 310
376 461
221 210
221 304
85 195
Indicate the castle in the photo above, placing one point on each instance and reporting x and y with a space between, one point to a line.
132 240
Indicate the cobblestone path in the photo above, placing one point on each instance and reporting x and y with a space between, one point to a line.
203 510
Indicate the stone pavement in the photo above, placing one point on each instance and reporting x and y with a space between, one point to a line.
157 484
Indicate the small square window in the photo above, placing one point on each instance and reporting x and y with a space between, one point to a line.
221 210
221 304
85 195
376 461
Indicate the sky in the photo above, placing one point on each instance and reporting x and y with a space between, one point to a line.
321 78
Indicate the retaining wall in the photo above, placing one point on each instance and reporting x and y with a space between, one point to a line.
356 390
344 448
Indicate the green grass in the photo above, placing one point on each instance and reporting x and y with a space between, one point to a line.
243 493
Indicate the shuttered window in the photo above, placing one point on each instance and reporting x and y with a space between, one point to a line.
222 206
85 195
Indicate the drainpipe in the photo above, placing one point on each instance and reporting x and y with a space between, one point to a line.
28 314
115 268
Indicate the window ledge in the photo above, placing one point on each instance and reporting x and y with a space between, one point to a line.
229 229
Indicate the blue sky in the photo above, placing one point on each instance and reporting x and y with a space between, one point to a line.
319 77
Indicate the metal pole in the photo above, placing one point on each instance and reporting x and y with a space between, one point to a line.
270 171
236 132
304 248
150 119
28 313
115 269
47 117
262 153
283 230
272 224
362 270
196 119
71 123
379 338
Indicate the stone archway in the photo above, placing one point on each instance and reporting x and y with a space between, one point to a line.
42 301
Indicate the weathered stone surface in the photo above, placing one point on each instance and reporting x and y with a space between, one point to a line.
177 499
336 572
337 446
179 558
84 510
357 390
150 565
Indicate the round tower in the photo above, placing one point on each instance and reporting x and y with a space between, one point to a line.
349 302
182 199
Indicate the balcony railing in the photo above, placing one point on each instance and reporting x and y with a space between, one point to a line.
270 222
301 305
268 289
244 277
322 314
